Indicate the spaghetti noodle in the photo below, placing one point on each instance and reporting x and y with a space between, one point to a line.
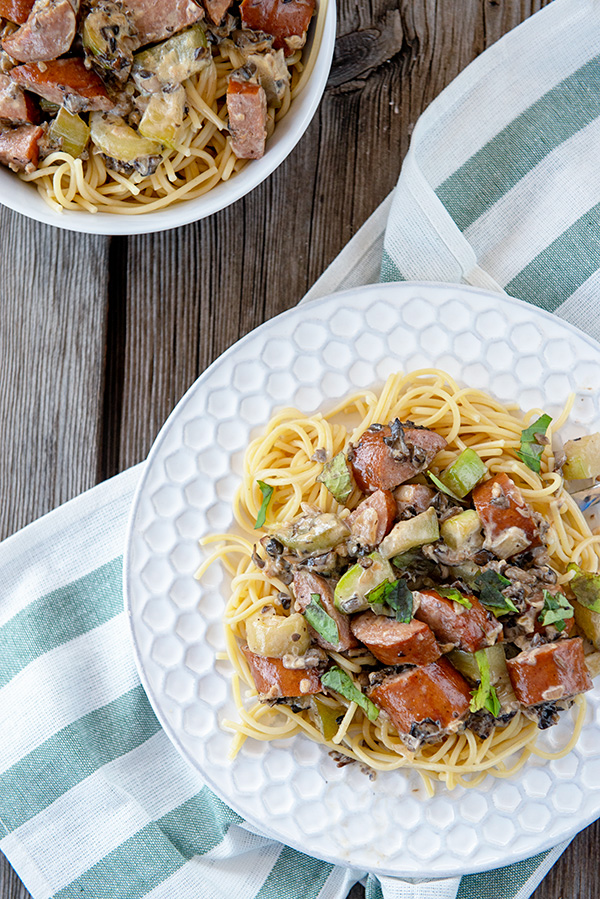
288 457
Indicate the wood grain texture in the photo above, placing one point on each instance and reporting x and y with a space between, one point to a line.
99 338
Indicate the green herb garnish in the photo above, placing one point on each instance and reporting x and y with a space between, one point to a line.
556 610
531 450
337 478
267 493
342 683
490 585
396 595
484 696
318 619
455 596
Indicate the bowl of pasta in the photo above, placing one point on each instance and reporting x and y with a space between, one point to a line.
363 599
132 117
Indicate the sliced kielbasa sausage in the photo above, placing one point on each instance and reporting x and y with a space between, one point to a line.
468 629
274 681
549 672
395 642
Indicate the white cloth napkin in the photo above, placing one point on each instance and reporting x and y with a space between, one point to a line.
500 189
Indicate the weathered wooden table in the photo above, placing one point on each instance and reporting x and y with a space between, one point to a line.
99 337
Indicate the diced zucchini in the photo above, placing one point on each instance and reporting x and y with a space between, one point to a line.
583 458
353 586
464 473
109 39
115 138
462 529
172 61
466 663
313 534
415 531
327 719
588 623
69 133
586 587
273 636
163 116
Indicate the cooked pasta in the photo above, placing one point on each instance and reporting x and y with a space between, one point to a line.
288 456
201 158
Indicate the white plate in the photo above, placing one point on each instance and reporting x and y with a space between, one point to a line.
309 357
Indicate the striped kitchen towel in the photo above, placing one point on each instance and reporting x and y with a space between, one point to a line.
500 189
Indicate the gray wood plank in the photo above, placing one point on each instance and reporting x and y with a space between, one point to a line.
53 300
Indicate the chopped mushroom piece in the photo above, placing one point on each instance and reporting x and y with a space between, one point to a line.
247 108
286 20
19 147
65 82
47 33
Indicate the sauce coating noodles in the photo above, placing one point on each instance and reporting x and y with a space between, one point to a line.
284 457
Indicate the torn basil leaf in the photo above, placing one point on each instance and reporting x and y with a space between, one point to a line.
531 449
396 595
484 696
320 621
556 610
342 683
337 478
455 596
267 493
586 587
490 584
441 486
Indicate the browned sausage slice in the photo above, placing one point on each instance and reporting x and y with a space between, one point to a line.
15 10
216 9
155 21
19 147
66 82
286 20
274 681
305 584
468 629
247 109
424 702
373 462
373 518
506 518
394 642
550 672
16 107
47 33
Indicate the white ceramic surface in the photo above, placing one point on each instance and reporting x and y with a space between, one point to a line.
24 198
310 357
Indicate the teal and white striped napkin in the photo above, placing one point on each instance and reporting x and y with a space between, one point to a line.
501 188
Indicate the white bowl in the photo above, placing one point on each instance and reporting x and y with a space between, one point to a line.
24 197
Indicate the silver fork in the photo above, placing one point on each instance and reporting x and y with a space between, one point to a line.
588 500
